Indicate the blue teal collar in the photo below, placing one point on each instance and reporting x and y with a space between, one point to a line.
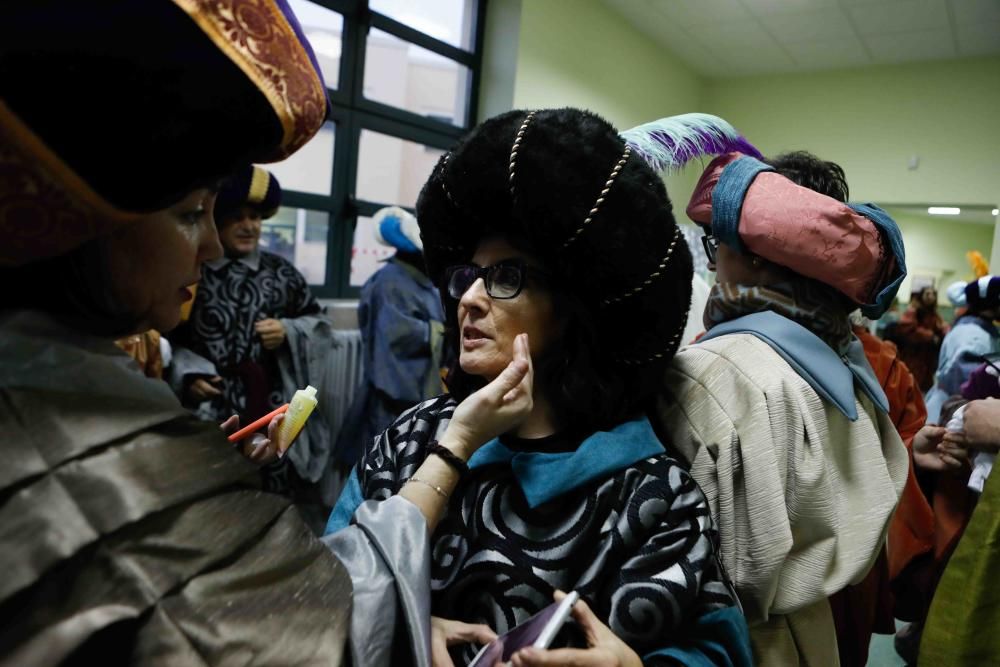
831 376
544 476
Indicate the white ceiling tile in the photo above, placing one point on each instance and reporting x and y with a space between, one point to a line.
744 47
695 12
906 46
722 38
638 12
668 34
732 35
680 42
976 11
837 53
824 24
979 39
703 59
763 7
900 16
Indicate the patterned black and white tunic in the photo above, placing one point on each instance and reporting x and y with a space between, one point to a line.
617 520
233 295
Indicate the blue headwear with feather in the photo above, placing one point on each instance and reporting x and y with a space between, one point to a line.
669 143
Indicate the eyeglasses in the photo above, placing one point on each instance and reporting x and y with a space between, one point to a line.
711 245
504 280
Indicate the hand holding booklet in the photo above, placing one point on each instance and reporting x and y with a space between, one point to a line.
538 632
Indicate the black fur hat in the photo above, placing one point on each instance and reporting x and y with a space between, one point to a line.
591 209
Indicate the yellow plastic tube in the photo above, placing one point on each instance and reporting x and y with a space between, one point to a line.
303 403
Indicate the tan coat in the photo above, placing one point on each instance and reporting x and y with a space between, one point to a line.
802 495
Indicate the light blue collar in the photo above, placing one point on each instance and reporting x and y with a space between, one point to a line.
544 476
832 376
251 261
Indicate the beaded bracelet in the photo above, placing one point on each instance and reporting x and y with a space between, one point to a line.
448 456
437 489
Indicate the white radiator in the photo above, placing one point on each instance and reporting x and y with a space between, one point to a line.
344 372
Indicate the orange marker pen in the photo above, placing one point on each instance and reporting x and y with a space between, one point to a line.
260 423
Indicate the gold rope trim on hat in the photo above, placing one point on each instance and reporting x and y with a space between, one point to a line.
513 150
653 276
444 164
46 208
259 180
600 198
258 39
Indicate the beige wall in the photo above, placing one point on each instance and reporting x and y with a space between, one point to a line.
936 247
872 120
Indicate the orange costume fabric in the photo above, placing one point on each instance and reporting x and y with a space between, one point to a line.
916 331
145 349
933 509
867 607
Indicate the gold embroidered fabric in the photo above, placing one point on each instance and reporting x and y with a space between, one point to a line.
46 209
255 35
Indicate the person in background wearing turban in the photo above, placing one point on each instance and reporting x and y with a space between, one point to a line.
402 329
974 336
567 286
867 608
131 532
956 297
777 410
918 334
254 336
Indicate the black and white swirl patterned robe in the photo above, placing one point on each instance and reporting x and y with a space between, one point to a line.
233 295
617 520
219 339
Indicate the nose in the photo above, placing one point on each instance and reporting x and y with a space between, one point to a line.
475 299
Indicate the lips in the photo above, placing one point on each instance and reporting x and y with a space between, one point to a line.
473 338
472 333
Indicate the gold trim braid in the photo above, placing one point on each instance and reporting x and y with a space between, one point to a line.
258 39
258 186
46 209
600 198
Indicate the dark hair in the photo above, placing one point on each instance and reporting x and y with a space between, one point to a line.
75 288
805 169
586 389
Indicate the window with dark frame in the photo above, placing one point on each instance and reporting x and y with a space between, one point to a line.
402 78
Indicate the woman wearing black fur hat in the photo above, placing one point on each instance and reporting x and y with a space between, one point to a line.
567 286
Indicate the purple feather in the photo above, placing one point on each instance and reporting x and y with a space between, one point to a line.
669 143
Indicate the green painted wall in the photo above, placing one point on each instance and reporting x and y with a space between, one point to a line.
937 247
580 53
872 120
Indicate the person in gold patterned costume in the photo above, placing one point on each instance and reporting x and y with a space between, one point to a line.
130 532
